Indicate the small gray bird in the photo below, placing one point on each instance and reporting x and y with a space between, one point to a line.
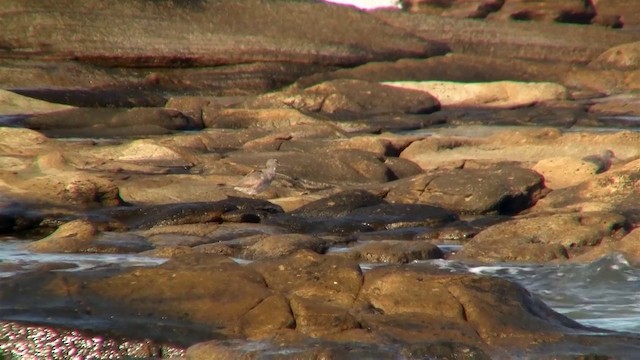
258 181
603 161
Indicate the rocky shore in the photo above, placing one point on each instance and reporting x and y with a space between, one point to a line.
504 130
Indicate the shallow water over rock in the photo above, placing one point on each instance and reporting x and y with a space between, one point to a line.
15 259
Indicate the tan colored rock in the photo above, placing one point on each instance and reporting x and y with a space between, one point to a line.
272 314
60 184
316 318
543 238
472 309
175 188
290 203
617 190
70 237
452 148
14 104
331 280
562 172
202 288
372 144
501 188
500 94
397 290
628 247
22 142
53 162
623 57
348 97
274 246
148 151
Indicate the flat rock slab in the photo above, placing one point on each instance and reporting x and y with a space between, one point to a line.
543 238
15 104
624 57
329 165
106 122
158 34
465 67
500 94
564 171
526 40
504 189
348 97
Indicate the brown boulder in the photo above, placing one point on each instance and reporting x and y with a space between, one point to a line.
471 309
60 187
330 280
324 165
205 289
543 238
623 57
393 251
270 315
347 97
502 188
617 190
562 172
316 318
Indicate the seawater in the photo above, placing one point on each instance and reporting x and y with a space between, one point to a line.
16 259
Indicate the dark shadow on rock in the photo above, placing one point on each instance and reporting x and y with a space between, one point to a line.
233 209
114 98
110 122
359 211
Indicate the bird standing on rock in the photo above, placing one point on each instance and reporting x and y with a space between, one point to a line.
258 181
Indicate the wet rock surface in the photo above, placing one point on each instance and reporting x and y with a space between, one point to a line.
405 140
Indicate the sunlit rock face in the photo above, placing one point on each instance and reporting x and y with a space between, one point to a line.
300 179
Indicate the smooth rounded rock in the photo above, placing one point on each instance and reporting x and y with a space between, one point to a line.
543 238
15 104
331 280
504 189
502 94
